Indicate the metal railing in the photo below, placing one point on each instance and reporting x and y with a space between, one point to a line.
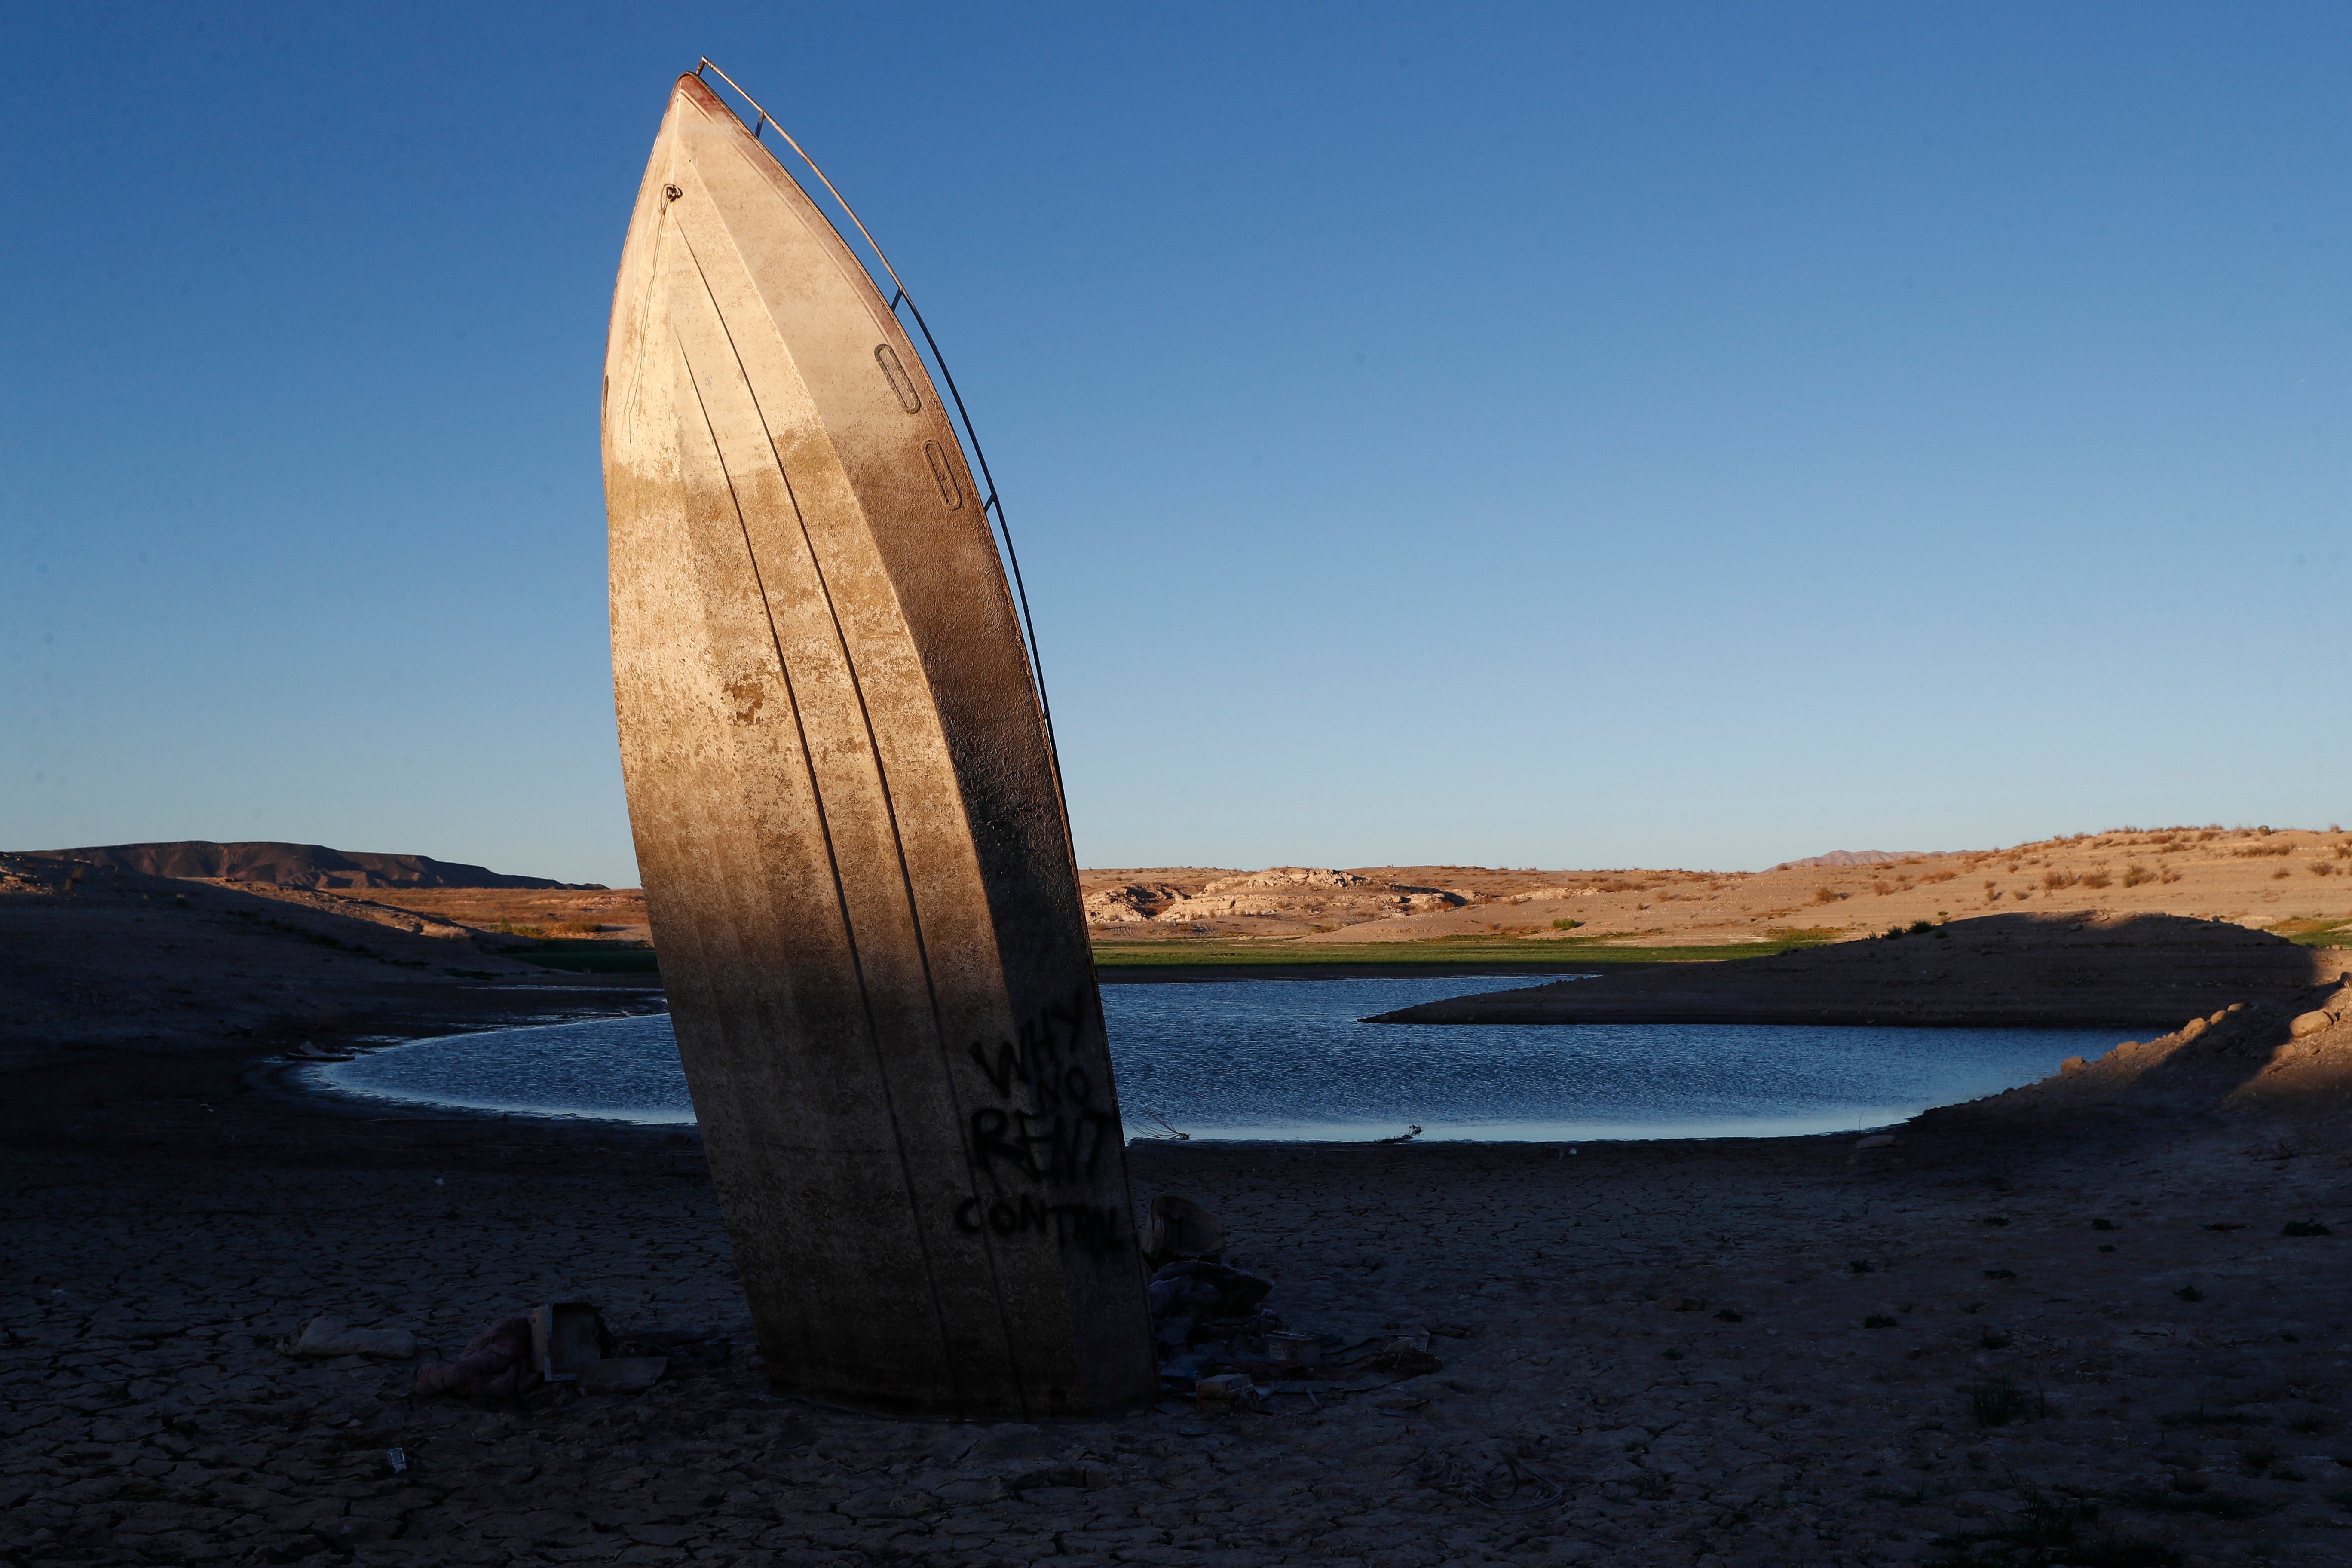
992 507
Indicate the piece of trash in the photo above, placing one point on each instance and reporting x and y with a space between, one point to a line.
323 1336
1228 1390
623 1374
1450 1331
498 1362
1176 1227
1408 1356
566 1336
1168 1130
1294 1350
1195 1288
397 1458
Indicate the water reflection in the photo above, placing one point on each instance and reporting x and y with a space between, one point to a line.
1287 1058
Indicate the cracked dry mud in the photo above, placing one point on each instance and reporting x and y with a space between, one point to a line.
159 1250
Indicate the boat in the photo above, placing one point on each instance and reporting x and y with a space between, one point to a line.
849 822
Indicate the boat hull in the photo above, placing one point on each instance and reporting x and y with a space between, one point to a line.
848 824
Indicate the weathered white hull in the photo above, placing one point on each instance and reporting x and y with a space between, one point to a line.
852 842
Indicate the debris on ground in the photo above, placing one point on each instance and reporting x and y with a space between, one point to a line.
496 1364
1176 1227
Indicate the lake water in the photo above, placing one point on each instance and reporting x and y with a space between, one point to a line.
1289 1058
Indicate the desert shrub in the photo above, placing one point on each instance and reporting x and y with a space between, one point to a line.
2097 879
2323 868
579 928
2055 880
2256 851
1882 888
1826 895
1998 1404
2281 871
2135 875
1938 877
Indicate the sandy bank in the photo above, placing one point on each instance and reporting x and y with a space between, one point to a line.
2071 969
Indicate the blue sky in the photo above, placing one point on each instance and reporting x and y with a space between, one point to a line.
1558 435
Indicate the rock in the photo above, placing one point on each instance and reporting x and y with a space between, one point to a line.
2072 1066
1875 1141
324 1337
1229 1391
2191 1029
2310 1024
1680 1303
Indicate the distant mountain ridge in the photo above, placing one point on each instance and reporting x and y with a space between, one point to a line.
1862 858
296 866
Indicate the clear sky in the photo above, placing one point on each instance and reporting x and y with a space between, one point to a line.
1573 436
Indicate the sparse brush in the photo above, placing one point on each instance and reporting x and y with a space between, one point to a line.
2135 875
2097 879
1998 1403
1882 888
1826 895
2323 868
2281 872
2055 880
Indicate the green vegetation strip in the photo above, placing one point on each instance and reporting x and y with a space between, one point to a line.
1486 953
587 956
2315 933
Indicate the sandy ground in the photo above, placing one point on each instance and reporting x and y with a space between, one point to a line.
2075 969
1738 1353
2067 1315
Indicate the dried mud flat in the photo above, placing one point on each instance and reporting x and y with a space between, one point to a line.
2060 1326
1787 1352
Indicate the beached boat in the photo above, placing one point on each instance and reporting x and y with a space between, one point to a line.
848 821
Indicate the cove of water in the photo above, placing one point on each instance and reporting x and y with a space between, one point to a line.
1290 1059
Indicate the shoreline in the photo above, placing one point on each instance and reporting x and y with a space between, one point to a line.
2107 1290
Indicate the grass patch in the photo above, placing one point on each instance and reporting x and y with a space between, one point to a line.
1482 951
578 955
2314 932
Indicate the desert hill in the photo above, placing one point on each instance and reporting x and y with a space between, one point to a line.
2298 882
293 866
